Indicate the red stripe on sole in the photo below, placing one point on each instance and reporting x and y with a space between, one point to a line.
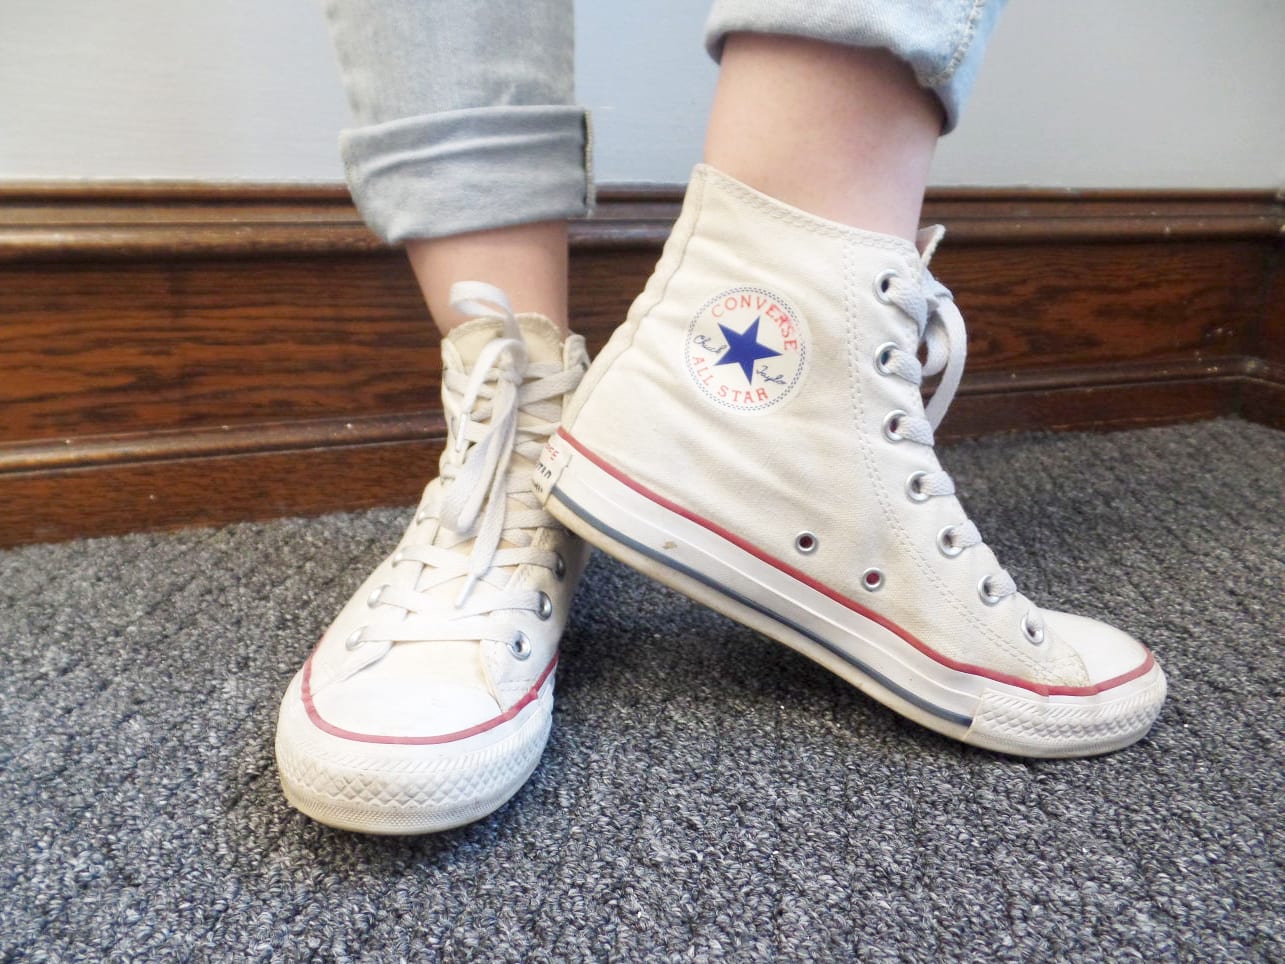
1041 689
327 727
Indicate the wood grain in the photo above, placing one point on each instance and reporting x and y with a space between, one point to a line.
196 354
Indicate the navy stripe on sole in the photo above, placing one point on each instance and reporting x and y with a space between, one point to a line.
868 671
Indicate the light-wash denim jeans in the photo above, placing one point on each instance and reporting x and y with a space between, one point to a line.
464 113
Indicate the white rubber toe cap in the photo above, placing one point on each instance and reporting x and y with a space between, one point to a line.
1108 653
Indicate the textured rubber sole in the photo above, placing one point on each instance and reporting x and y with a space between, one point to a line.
406 789
625 521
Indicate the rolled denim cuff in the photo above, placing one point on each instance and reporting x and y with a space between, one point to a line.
943 41
452 172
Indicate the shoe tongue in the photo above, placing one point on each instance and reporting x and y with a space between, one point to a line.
543 338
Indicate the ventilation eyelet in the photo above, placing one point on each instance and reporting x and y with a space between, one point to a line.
1034 634
984 592
883 355
872 580
544 607
914 488
520 646
946 543
882 284
890 422
806 543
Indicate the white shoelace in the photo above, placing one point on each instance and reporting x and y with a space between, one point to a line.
472 499
941 329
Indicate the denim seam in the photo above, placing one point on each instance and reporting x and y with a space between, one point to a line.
961 49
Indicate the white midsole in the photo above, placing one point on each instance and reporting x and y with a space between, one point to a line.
727 577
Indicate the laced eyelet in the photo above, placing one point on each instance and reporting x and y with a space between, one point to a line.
890 422
355 639
872 580
984 592
914 490
1034 634
882 283
398 556
373 599
520 646
883 355
946 543
806 543
544 607
559 567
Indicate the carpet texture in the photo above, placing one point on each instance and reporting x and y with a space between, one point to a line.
707 794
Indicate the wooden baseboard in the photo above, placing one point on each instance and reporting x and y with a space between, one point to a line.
177 355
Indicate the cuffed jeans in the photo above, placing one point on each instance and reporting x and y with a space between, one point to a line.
464 113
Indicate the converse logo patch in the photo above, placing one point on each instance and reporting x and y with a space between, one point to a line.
746 350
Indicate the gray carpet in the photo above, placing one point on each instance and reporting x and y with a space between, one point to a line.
707 794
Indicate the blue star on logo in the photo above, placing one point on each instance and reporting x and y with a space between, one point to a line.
743 349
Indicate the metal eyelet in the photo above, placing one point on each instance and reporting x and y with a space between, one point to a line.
806 543
890 425
1034 635
373 599
983 591
398 556
913 488
883 355
559 567
355 639
872 580
520 646
544 606
882 285
946 543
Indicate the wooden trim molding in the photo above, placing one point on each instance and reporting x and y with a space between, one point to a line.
194 354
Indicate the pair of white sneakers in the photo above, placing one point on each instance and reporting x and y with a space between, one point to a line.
752 436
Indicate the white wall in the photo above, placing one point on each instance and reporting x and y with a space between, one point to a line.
1095 93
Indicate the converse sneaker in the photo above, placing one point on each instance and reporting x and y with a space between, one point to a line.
754 437
427 703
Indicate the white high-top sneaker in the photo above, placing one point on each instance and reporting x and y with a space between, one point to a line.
428 701
754 437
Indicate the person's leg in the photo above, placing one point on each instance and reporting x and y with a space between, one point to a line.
468 146
428 700
527 261
754 434
842 132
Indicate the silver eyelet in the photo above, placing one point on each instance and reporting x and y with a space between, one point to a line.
398 556
983 591
890 425
872 580
946 543
355 639
559 567
806 543
373 599
520 646
1034 636
881 286
913 489
545 607
883 355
